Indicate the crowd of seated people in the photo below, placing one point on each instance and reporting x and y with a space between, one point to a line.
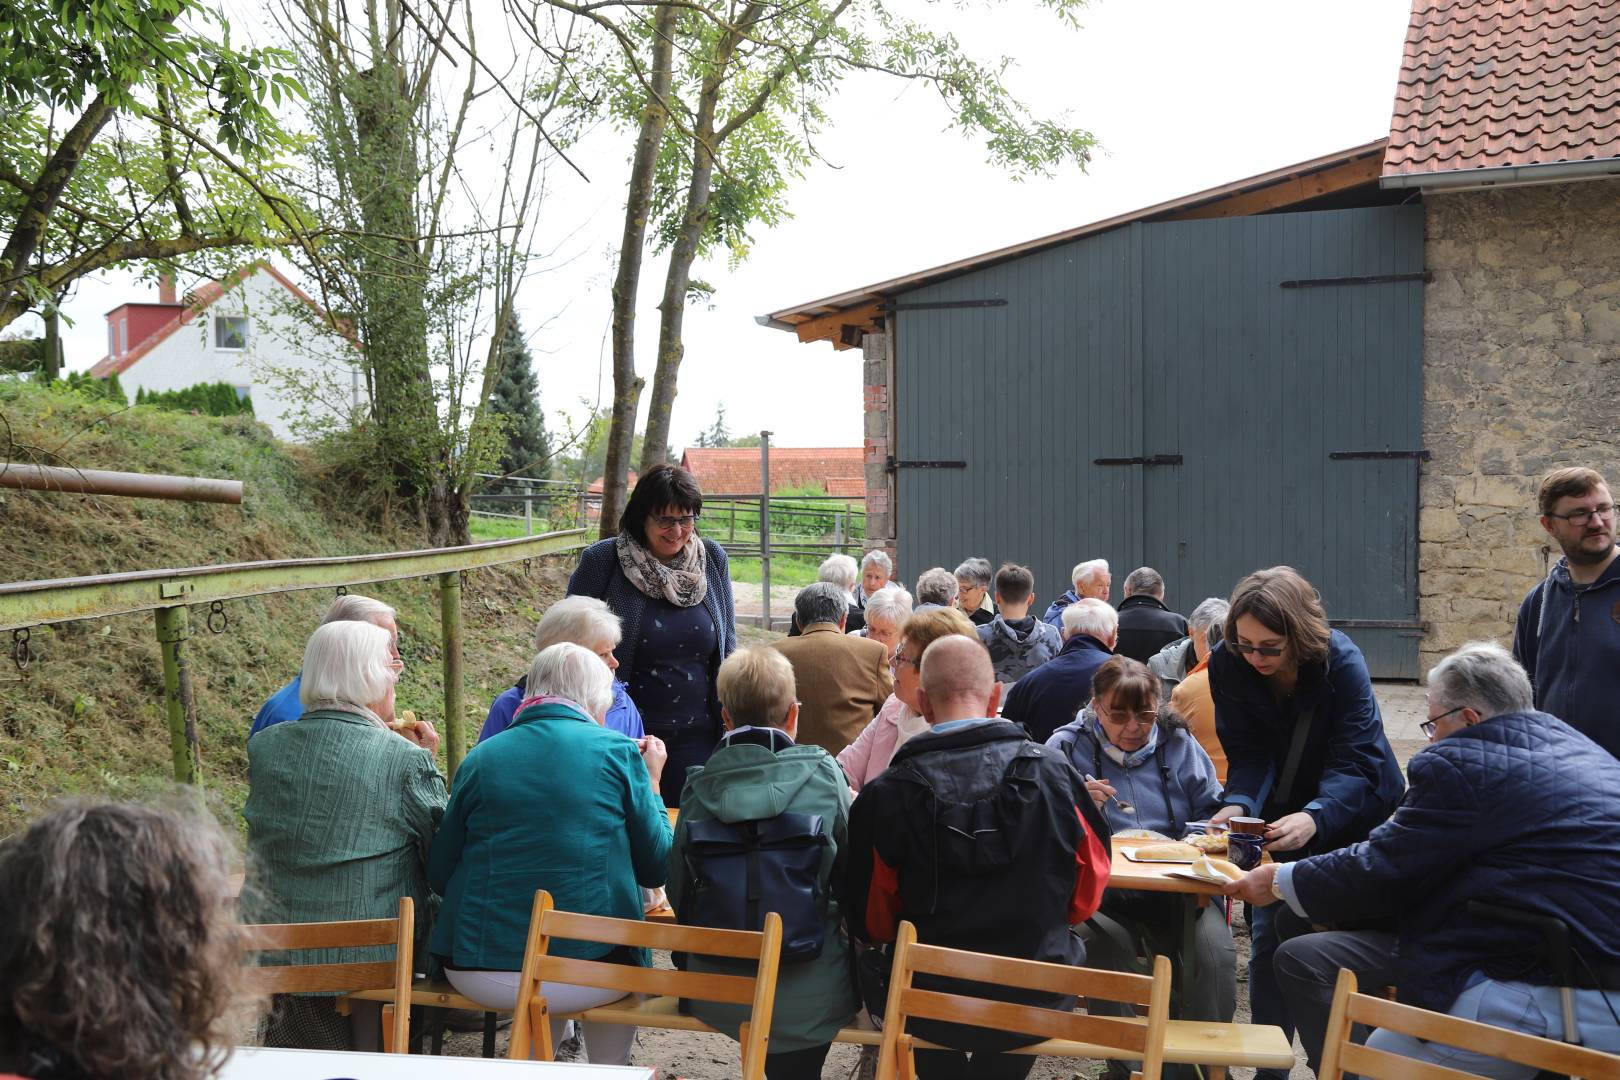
962 770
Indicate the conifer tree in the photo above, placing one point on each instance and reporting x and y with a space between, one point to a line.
517 397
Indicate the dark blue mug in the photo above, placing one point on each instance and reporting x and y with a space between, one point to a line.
1244 850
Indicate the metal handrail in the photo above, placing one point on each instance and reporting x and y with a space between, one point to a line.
168 594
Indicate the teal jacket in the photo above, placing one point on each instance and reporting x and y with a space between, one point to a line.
555 802
744 782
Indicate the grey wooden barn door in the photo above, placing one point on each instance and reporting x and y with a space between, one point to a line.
1203 397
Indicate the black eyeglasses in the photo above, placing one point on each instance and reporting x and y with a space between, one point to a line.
1427 727
1582 518
1263 650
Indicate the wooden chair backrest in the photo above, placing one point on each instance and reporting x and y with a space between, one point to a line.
1340 1055
395 975
529 1019
1131 1037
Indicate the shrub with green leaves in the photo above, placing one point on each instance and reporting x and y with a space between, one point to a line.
210 399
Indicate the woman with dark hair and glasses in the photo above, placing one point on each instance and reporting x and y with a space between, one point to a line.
671 590
1304 741
1144 770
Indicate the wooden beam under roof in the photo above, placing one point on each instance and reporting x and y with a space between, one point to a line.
1289 191
842 328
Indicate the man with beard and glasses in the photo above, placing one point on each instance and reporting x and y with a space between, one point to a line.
1567 635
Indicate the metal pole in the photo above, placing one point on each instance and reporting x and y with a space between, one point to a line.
173 628
528 517
765 526
838 532
454 692
27 477
731 535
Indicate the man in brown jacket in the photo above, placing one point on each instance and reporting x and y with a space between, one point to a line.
843 681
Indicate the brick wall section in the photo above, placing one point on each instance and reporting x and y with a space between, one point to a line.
1521 365
875 371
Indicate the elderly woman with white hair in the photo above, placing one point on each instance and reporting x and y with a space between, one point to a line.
583 620
936 587
340 813
886 612
839 570
974 580
559 803
877 574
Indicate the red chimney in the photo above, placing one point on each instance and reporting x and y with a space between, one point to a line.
166 289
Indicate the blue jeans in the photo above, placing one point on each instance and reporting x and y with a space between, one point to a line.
1266 1005
1534 1010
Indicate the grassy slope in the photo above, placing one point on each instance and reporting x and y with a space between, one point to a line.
87 715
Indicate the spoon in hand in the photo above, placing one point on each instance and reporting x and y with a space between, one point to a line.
1124 807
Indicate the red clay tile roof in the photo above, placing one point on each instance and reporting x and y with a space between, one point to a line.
735 471
1493 83
198 301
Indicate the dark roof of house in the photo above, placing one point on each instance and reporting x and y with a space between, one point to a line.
1500 83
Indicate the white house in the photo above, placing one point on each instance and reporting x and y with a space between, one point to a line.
255 330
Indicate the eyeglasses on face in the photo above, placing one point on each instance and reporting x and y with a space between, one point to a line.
1263 650
1428 726
1582 518
1125 718
898 661
679 521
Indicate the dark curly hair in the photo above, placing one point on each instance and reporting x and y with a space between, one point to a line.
118 956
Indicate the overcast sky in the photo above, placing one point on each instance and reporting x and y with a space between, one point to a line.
1182 95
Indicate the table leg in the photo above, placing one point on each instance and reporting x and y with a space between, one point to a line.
489 1034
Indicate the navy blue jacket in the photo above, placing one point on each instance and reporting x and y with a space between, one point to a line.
599 575
1521 811
1053 694
1347 777
1572 651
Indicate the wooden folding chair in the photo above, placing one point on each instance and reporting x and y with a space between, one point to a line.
531 1018
1341 1055
392 975
1080 1034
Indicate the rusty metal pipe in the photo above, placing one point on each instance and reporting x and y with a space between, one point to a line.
138 485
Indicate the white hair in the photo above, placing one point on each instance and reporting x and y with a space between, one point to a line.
889 605
877 558
1209 613
840 570
1095 618
352 607
937 585
584 620
1484 677
571 671
1091 568
346 663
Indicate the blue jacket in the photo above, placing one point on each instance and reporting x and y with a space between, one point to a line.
1347 777
622 715
599 575
1054 611
1521 811
1574 662
1052 694
554 802
1166 798
281 706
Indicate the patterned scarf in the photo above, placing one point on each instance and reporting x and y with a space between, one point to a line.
682 582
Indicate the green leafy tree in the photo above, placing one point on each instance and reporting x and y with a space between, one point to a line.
210 399
516 399
135 131
716 435
725 100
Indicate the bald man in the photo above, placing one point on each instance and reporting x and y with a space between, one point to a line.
988 842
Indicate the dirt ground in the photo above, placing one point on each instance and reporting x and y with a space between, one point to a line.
697 1056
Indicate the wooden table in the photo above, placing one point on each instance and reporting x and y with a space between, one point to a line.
1155 877
258 1063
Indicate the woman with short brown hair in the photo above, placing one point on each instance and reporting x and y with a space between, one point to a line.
1304 741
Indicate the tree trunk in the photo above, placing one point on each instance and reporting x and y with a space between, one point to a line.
638 206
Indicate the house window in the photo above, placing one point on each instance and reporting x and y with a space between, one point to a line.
112 338
123 336
230 332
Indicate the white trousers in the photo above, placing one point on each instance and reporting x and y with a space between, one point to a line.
605 1044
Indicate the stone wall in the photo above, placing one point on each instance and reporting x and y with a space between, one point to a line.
1521 367
876 379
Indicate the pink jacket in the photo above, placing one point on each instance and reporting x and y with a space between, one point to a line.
868 756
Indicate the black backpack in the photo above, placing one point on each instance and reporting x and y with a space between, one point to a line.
741 870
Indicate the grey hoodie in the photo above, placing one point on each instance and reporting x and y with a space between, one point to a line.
1171 665
1015 653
